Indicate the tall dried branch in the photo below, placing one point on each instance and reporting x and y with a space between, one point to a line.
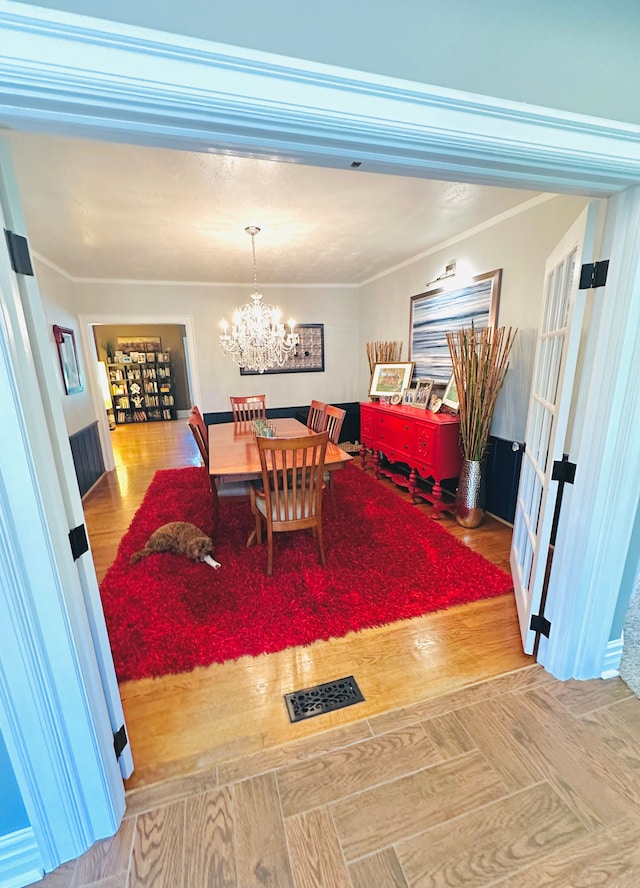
379 352
480 360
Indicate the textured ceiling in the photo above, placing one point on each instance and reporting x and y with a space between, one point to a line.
104 210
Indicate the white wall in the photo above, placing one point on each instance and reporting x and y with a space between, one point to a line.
572 55
520 246
59 305
335 307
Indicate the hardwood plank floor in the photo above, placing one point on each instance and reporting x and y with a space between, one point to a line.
467 765
178 724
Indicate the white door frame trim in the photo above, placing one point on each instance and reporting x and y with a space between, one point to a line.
72 75
81 76
54 716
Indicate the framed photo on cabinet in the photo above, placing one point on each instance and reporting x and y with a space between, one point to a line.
409 397
389 379
450 396
423 392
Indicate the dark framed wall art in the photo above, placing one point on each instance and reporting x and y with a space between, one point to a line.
439 310
68 357
308 356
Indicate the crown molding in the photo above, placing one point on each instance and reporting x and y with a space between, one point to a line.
87 77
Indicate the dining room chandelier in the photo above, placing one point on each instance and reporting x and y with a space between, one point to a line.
257 339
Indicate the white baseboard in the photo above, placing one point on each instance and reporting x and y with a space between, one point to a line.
20 861
612 657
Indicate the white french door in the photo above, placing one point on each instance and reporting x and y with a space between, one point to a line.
551 391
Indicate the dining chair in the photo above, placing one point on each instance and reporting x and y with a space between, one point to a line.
246 409
202 441
316 417
290 495
334 417
198 418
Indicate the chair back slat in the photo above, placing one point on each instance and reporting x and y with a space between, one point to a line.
247 408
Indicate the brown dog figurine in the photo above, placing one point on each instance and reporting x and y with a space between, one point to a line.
180 537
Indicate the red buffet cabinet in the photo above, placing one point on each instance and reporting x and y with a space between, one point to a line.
429 443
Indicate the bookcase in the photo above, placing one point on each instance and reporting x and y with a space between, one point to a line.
142 391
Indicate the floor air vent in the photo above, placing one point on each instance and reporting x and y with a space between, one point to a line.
323 698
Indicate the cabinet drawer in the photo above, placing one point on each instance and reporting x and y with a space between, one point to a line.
395 431
401 453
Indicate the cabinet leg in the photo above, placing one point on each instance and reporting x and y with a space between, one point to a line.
376 464
413 479
363 455
436 493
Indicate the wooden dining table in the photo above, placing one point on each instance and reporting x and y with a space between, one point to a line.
233 452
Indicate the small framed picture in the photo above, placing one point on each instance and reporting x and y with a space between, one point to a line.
450 396
68 356
388 379
409 397
423 392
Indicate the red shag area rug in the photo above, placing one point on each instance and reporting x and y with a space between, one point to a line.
386 560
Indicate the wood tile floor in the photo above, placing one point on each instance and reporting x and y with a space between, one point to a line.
466 765
519 781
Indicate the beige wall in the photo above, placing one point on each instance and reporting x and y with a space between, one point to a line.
520 246
378 310
206 305
59 308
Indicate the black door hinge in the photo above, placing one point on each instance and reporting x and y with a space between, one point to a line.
564 471
79 541
593 274
120 740
540 624
18 247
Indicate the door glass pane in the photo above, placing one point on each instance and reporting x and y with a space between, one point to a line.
568 284
550 283
558 288
554 369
